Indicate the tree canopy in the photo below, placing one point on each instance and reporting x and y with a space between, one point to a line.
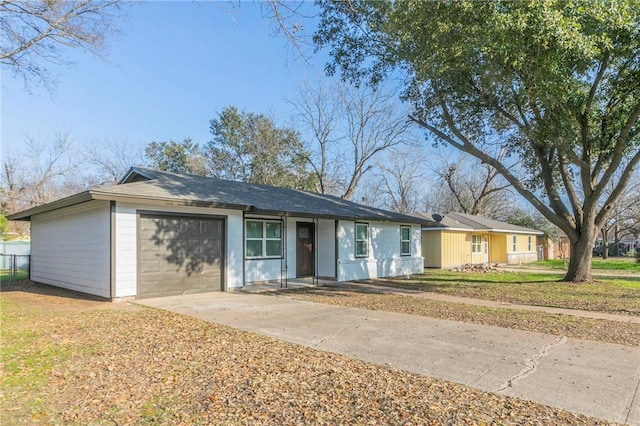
176 157
554 84
246 147
249 147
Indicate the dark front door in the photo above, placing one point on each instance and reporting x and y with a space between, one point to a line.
304 249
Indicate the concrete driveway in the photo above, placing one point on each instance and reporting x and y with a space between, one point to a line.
592 378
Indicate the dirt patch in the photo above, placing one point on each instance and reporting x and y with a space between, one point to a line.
129 365
50 299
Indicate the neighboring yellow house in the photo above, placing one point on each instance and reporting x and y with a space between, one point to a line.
457 239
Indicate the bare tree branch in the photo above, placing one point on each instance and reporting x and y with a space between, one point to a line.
401 177
347 128
288 19
34 33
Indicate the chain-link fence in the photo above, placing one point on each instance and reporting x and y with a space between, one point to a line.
14 267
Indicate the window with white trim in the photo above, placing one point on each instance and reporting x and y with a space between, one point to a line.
263 238
529 243
362 239
476 244
514 244
405 241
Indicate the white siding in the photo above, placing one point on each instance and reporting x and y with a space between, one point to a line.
291 246
126 243
70 248
384 258
326 238
235 249
126 258
260 270
263 270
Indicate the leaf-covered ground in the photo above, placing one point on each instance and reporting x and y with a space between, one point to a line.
73 361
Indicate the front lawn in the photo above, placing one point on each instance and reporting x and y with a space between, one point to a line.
73 361
620 295
611 264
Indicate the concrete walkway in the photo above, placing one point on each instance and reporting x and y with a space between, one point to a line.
592 378
381 288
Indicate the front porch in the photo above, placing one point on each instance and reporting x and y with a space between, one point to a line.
289 284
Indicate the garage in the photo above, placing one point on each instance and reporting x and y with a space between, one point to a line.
179 254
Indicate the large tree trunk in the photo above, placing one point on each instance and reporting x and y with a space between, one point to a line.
580 260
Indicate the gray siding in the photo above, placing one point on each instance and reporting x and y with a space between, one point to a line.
70 248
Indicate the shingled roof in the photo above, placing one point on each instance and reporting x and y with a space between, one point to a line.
143 184
467 222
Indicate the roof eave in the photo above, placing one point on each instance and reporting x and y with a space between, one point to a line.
99 195
501 231
335 217
170 201
26 215
446 228
519 231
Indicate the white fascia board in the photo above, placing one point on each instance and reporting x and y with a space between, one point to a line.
484 230
504 231
447 229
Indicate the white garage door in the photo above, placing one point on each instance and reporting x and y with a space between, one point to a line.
179 255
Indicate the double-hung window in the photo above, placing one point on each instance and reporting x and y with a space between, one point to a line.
529 243
514 244
263 238
405 241
362 240
476 244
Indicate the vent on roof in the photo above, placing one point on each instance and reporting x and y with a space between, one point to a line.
137 178
437 217
137 174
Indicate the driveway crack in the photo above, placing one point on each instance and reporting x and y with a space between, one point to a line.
631 404
318 341
531 364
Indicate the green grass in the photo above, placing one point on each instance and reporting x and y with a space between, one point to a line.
611 264
28 357
21 274
619 295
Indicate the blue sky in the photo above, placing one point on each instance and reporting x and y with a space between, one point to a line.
173 68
